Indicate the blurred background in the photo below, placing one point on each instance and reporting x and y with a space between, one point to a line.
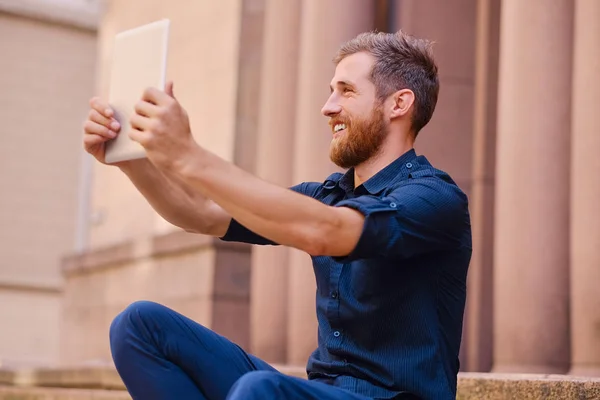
516 126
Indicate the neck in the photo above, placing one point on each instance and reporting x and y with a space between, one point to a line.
390 150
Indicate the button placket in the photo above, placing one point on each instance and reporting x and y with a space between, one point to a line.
333 304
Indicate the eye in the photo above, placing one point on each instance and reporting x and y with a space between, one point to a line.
348 90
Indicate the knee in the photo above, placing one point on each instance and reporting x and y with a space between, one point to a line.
131 321
257 385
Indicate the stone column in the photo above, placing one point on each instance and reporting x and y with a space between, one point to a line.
268 312
585 192
478 330
531 255
452 25
325 26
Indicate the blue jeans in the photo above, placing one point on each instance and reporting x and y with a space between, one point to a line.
160 354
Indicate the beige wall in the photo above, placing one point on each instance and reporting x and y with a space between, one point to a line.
46 76
30 327
203 63
183 281
211 70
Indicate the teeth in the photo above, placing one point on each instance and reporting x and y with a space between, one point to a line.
339 127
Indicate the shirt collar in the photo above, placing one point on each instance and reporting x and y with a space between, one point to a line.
400 167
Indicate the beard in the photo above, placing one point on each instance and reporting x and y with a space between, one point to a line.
361 141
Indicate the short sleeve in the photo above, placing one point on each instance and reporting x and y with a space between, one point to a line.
239 233
427 215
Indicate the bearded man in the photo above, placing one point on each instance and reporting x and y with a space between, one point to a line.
390 242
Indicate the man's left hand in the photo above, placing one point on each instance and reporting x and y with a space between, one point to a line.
162 127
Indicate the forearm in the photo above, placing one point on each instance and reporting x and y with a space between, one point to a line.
277 213
179 205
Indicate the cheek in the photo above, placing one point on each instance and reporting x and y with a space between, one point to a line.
363 110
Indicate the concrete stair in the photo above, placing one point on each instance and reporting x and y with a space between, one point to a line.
28 393
103 383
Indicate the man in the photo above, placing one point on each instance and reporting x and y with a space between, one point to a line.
390 242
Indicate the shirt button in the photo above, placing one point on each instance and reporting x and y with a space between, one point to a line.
334 295
393 205
408 165
336 333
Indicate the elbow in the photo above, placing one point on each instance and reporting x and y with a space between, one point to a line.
319 241
337 237
193 229
195 226
315 247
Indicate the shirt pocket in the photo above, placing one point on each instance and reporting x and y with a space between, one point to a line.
374 281
367 279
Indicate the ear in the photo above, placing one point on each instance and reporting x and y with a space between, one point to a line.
403 101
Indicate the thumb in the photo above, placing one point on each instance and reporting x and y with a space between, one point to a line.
169 89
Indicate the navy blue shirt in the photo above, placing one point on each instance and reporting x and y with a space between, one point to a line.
390 313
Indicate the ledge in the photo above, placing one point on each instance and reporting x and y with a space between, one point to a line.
30 287
181 241
160 246
7 377
82 378
76 13
98 259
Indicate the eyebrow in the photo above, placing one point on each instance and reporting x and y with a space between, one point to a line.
342 83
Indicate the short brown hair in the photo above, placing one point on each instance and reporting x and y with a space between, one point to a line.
401 62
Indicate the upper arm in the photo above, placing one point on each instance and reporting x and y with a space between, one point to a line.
236 232
423 216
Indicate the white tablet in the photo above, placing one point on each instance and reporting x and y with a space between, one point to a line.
139 61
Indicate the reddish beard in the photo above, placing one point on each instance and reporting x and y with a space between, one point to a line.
362 140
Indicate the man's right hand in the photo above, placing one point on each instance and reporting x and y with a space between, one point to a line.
99 127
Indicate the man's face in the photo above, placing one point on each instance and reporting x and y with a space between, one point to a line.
357 120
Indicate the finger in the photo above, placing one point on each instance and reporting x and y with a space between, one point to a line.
140 122
145 109
155 96
169 89
98 118
138 136
92 140
102 107
93 128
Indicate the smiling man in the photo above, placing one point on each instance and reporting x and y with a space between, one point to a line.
390 242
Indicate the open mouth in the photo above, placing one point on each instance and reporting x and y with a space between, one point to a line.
339 130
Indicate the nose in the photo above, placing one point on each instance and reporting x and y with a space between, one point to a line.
331 107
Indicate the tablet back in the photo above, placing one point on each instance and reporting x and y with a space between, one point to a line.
139 61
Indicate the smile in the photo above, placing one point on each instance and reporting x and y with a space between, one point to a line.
338 130
339 127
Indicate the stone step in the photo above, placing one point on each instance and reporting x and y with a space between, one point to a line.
24 393
493 386
103 383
